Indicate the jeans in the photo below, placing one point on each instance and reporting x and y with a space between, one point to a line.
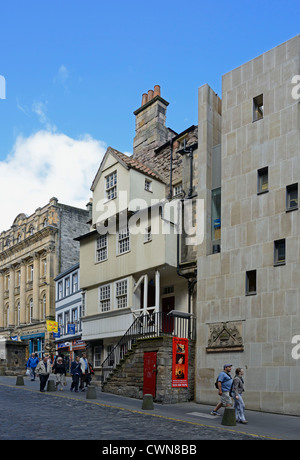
32 373
239 406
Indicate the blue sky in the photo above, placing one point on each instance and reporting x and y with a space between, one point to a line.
75 72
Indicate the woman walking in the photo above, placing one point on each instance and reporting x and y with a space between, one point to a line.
60 371
237 390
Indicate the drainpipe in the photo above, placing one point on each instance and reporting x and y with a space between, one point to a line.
171 169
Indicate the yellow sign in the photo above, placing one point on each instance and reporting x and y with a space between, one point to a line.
52 326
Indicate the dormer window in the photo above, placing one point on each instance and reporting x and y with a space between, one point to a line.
111 186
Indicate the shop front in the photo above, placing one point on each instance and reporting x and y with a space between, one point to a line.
36 343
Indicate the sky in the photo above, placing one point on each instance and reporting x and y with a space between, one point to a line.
75 72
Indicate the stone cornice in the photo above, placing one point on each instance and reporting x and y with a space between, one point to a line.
27 242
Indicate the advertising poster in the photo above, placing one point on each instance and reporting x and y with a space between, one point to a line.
180 363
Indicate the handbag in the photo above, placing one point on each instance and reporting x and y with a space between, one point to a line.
28 372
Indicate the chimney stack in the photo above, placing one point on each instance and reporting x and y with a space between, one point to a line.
150 125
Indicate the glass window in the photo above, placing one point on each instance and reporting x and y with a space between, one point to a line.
292 197
111 186
251 282
216 213
263 180
279 252
121 293
123 241
101 248
258 107
104 298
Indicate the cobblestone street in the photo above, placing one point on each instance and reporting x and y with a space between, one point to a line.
28 414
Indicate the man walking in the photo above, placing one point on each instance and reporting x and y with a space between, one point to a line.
224 387
84 371
31 365
43 370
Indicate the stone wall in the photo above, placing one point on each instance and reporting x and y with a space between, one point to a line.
127 378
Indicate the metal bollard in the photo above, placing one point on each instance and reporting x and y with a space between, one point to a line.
51 385
229 417
147 402
20 380
91 393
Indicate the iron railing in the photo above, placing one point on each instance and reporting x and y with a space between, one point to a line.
156 324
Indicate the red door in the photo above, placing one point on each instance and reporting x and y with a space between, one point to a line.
150 373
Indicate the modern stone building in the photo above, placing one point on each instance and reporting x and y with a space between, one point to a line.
248 294
32 253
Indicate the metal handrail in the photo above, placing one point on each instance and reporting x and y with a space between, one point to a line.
151 325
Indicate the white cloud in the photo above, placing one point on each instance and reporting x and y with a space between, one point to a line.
44 165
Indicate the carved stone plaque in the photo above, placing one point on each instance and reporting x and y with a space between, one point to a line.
225 337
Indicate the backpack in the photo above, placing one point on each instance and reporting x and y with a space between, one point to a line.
216 385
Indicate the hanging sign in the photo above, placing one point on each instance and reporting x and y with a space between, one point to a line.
52 326
180 363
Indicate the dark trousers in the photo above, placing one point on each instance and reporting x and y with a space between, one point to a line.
43 381
75 381
85 379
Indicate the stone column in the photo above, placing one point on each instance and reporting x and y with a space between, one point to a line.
1 299
11 296
23 293
50 296
36 287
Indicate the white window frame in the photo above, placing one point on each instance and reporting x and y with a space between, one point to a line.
177 189
123 241
105 297
75 287
111 186
148 185
101 248
121 297
67 286
60 290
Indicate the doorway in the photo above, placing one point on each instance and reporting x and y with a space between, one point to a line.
150 363
168 304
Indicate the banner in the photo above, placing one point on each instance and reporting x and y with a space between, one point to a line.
180 363
52 326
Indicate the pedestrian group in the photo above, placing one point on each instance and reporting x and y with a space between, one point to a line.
231 388
81 371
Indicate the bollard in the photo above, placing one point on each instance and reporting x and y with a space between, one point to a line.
147 402
229 417
51 385
20 380
91 393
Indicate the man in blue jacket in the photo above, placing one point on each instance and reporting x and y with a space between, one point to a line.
31 365
224 387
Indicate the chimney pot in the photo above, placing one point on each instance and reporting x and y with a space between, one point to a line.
150 94
144 98
156 90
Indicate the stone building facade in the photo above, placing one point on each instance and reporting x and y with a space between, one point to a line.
32 253
248 300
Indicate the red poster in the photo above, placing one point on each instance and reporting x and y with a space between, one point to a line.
180 363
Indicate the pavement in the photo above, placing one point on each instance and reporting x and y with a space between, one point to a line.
191 415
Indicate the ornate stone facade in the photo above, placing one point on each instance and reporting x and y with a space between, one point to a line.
32 253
